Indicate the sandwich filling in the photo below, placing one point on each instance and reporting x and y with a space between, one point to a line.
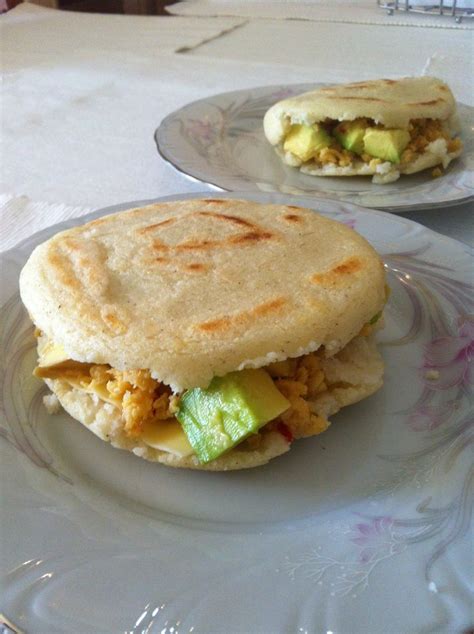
236 409
367 146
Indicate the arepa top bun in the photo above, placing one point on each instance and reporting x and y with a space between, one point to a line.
196 288
387 101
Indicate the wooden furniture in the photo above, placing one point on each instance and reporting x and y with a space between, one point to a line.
131 7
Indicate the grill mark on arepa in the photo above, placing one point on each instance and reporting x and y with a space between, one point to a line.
433 102
256 234
358 98
71 244
224 323
195 267
251 236
356 86
197 245
115 317
192 267
78 264
227 217
58 263
163 223
158 245
293 218
268 307
215 325
360 84
349 267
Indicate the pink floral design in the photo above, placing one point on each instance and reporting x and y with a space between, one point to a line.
429 417
450 358
282 94
376 538
201 130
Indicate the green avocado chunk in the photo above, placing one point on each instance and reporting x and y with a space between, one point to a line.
386 144
234 406
306 141
350 135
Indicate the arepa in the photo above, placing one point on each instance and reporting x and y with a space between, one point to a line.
421 111
136 309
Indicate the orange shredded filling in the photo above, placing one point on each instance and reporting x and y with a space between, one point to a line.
300 380
422 133
143 399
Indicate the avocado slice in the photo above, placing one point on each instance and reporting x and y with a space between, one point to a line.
386 144
306 141
350 135
234 406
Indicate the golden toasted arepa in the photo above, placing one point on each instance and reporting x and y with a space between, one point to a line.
137 309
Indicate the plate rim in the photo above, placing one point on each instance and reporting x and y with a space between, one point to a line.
232 194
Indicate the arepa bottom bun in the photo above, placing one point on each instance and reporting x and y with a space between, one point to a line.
435 154
357 371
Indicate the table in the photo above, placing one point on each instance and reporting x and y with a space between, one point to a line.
83 94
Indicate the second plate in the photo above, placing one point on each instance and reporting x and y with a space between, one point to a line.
219 141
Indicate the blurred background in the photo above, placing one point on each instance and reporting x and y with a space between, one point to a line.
138 7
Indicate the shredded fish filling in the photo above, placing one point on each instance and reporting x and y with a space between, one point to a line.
422 133
143 400
140 398
300 380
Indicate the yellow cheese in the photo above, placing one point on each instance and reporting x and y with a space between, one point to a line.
54 363
167 435
50 353
64 370
99 389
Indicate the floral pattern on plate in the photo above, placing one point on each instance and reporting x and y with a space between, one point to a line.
315 541
219 141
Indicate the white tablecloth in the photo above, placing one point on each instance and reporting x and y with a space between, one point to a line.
348 11
83 94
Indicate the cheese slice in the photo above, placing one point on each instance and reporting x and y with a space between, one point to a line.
94 388
54 363
64 370
50 353
167 435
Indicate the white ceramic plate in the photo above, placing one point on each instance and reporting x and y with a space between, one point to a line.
219 141
362 529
